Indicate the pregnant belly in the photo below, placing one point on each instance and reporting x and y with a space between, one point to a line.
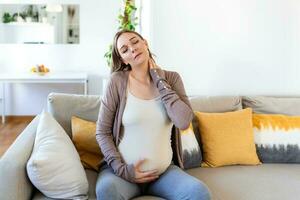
157 155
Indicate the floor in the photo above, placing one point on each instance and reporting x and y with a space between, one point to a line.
9 131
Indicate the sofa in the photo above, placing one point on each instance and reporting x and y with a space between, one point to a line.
268 181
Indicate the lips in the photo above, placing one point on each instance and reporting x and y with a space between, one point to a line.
137 55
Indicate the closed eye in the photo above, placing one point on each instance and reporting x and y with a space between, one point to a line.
133 42
124 51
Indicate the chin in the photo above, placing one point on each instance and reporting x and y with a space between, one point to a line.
141 60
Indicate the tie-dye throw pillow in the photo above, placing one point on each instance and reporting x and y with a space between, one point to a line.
277 138
190 149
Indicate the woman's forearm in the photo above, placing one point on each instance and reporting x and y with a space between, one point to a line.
174 98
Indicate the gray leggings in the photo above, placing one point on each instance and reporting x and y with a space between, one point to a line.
173 184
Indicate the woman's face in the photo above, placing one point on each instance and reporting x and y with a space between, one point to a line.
132 49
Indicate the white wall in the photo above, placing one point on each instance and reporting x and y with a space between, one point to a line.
229 47
98 23
219 47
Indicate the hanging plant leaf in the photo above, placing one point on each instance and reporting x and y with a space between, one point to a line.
127 21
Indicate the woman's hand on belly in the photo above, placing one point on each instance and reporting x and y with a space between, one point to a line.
144 176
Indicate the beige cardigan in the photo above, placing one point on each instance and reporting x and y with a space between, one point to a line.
108 134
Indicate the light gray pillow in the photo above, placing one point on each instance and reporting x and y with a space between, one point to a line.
273 105
54 167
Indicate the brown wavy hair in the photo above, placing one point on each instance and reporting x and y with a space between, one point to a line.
117 63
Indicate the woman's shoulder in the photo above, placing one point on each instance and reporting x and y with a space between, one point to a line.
171 75
174 73
118 76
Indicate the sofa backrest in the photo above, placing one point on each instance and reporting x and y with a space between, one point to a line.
216 103
273 105
64 106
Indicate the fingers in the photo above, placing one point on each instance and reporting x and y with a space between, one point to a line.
146 179
144 176
151 63
148 173
138 164
147 176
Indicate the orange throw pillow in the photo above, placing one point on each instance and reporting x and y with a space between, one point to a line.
84 139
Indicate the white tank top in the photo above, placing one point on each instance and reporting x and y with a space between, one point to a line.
146 134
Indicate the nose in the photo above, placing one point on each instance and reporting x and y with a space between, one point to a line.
132 49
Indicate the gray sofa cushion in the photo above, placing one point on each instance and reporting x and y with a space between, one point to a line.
272 105
265 182
64 106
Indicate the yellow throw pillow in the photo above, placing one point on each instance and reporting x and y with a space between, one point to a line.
227 138
84 139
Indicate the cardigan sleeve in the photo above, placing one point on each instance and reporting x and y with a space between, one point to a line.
104 133
174 97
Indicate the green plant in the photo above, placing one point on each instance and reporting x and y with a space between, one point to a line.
29 11
108 55
7 18
127 21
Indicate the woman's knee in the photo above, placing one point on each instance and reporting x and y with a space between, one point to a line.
109 186
107 190
198 191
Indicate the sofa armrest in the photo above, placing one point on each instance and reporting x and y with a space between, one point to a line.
14 182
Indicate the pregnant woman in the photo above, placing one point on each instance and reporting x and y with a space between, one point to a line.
140 105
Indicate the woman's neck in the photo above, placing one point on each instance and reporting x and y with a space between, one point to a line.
141 73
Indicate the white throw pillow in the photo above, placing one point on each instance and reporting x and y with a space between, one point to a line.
54 166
